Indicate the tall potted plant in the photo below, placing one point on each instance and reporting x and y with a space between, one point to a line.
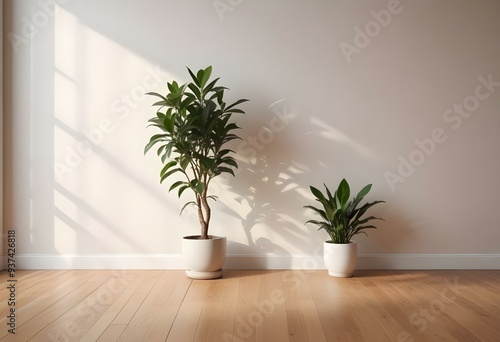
342 219
195 124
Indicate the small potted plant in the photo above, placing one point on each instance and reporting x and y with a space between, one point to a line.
195 125
342 218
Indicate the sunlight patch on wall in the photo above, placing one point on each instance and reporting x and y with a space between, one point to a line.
99 88
333 134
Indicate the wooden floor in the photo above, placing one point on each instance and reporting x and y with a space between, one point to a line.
252 305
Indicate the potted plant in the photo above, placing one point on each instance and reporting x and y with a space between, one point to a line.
342 219
195 125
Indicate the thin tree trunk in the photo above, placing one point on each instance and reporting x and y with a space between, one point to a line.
204 214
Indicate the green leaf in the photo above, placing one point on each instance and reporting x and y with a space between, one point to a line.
230 161
168 150
160 150
195 79
158 95
319 211
187 101
329 194
164 158
205 76
224 152
154 140
364 192
210 87
160 103
196 91
221 169
181 190
166 175
318 194
343 193
365 207
167 166
175 185
172 87
185 162
236 103
329 212
197 186
235 110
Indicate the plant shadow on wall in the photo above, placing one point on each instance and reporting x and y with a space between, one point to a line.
278 156
269 183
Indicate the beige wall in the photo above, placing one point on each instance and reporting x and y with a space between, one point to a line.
404 95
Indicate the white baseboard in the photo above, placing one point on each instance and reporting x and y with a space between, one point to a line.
281 261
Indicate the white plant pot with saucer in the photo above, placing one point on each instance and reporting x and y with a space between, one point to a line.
340 258
204 258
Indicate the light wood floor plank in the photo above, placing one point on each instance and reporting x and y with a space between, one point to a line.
367 310
141 292
335 315
395 307
188 316
254 305
154 318
405 307
477 284
112 333
224 327
248 294
450 300
269 316
432 309
210 312
301 308
101 325
297 319
75 322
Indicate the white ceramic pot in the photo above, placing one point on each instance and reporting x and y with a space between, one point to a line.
341 258
204 258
